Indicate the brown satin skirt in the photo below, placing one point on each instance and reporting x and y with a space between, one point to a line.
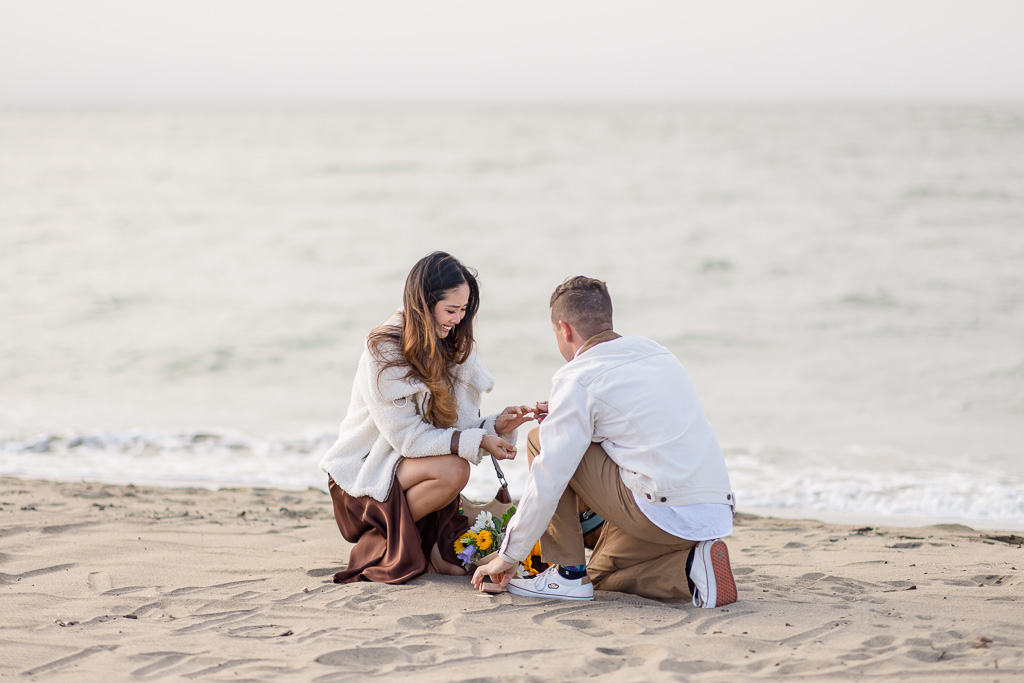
389 546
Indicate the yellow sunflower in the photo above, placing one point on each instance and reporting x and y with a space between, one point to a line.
484 540
467 538
458 546
528 562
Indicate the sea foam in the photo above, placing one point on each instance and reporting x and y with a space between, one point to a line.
764 479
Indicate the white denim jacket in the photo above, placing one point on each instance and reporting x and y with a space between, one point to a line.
631 395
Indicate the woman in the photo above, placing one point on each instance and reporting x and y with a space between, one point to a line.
412 429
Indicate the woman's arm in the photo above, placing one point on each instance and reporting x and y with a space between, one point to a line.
390 397
413 437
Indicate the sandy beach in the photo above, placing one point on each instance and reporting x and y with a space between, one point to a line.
105 582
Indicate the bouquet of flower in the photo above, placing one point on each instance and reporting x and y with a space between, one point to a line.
532 565
484 538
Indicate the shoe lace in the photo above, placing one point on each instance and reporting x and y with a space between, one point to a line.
541 580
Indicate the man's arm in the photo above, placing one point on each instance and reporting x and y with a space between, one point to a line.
565 435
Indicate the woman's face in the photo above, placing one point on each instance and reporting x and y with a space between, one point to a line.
449 311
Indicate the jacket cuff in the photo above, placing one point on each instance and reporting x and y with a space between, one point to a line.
488 424
508 558
504 552
469 445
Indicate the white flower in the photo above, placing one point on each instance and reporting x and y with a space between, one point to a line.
483 520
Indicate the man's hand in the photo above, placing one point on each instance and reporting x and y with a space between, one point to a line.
498 447
511 418
498 570
540 411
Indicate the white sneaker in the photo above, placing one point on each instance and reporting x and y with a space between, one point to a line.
550 584
710 575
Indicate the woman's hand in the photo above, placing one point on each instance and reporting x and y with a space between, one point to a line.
498 447
512 417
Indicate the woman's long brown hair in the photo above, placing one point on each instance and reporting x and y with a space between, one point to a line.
428 357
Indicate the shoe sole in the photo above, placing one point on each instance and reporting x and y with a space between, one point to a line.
725 584
515 590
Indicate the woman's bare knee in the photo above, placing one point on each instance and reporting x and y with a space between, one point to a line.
454 472
447 471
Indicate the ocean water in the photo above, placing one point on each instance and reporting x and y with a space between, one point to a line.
184 293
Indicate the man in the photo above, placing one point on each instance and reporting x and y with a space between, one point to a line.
626 434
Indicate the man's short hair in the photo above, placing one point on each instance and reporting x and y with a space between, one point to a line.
584 303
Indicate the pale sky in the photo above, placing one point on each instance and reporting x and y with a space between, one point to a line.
462 51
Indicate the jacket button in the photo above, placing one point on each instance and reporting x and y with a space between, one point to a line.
663 499
729 497
648 496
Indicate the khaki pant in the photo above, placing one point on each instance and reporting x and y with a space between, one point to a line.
633 555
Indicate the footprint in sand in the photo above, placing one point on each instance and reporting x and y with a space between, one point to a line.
642 651
635 655
879 641
981 580
363 658
418 622
587 626
930 655
317 573
99 582
696 666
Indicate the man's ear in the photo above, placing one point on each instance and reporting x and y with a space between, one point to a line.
566 330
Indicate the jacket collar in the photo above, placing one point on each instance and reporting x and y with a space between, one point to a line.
598 338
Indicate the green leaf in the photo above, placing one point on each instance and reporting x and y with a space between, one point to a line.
508 515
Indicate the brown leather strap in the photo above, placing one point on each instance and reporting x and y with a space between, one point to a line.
455 442
502 496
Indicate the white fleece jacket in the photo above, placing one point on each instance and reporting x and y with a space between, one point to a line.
385 424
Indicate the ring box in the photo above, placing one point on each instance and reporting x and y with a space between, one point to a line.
491 587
